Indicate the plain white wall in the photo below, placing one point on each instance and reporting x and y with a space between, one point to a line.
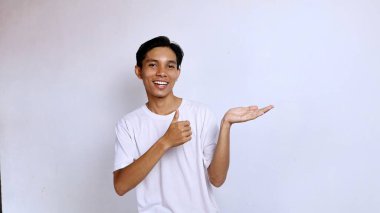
66 77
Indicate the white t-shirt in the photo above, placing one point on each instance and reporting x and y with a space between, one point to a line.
179 181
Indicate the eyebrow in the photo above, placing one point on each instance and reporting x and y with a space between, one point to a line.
151 60
154 60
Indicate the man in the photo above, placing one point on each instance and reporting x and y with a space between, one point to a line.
171 149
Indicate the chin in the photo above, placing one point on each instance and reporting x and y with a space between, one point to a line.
159 95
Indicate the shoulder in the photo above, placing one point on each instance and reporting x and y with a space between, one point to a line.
130 118
196 106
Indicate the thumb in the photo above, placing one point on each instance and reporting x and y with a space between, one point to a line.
176 115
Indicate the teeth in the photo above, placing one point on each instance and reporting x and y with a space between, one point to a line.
160 82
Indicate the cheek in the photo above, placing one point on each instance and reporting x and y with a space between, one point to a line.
146 74
174 75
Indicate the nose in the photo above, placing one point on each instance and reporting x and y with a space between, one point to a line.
161 72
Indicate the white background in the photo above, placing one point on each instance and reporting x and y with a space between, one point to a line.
67 77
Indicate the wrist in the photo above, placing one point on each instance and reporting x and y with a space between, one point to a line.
225 124
163 144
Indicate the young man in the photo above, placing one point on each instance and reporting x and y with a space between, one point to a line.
170 148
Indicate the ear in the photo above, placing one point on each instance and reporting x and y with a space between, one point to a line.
179 73
138 72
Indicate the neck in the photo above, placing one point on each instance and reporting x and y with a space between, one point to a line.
163 106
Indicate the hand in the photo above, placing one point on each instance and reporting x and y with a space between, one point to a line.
178 133
243 114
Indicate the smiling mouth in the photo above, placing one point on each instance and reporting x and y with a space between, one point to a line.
161 82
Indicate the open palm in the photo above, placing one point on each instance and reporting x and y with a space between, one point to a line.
243 114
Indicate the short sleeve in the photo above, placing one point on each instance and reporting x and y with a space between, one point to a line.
125 147
209 136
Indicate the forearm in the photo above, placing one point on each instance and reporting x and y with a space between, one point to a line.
127 178
218 168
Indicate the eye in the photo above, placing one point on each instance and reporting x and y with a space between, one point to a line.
152 65
171 66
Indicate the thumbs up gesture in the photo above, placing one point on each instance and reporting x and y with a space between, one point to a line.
178 133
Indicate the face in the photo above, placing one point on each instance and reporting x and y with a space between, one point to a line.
159 72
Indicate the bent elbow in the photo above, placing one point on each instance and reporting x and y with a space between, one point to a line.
120 187
120 190
217 182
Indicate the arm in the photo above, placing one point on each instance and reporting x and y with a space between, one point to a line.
125 179
128 177
217 171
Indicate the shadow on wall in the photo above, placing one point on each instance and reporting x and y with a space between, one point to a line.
1 206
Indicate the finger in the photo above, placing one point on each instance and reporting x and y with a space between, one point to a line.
187 139
186 128
253 107
176 115
266 109
188 133
186 123
254 115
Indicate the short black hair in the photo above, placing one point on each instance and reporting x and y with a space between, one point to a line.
160 41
